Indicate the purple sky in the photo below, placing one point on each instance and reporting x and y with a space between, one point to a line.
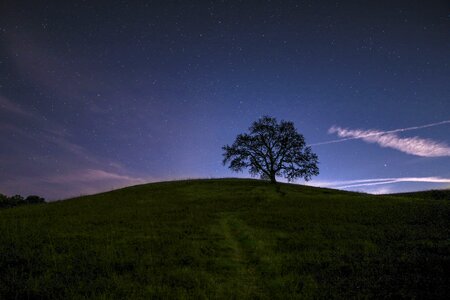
99 96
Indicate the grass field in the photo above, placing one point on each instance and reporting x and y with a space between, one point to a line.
431 194
227 239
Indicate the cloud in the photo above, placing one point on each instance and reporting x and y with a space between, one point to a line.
72 183
91 175
385 132
381 190
42 131
345 184
8 106
42 159
41 155
388 139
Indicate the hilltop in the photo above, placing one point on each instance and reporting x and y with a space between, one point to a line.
229 238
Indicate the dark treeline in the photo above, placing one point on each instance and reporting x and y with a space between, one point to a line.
17 200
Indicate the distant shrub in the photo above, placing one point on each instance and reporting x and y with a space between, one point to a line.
3 200
17 200
33 199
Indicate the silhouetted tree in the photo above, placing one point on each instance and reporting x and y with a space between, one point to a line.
33 199
3 201
272 149
16 200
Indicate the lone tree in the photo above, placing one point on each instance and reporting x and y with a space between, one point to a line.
272 149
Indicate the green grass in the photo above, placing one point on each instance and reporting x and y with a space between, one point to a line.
227 239
431 194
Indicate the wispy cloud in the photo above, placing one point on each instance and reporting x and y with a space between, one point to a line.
40 154
74 182
8 106
91 175
382 190
389 139
384 132
346 184
70 170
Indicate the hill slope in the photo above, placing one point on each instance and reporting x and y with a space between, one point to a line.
431 194
226 239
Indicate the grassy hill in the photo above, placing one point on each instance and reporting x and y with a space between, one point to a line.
431 194
226 238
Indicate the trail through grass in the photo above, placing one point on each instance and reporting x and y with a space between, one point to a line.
244 276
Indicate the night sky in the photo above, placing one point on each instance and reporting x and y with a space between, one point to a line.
95 96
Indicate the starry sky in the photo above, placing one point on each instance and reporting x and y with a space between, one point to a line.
96 96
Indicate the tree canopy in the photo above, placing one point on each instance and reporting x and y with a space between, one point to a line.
272 149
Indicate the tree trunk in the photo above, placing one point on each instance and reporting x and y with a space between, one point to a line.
272 178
